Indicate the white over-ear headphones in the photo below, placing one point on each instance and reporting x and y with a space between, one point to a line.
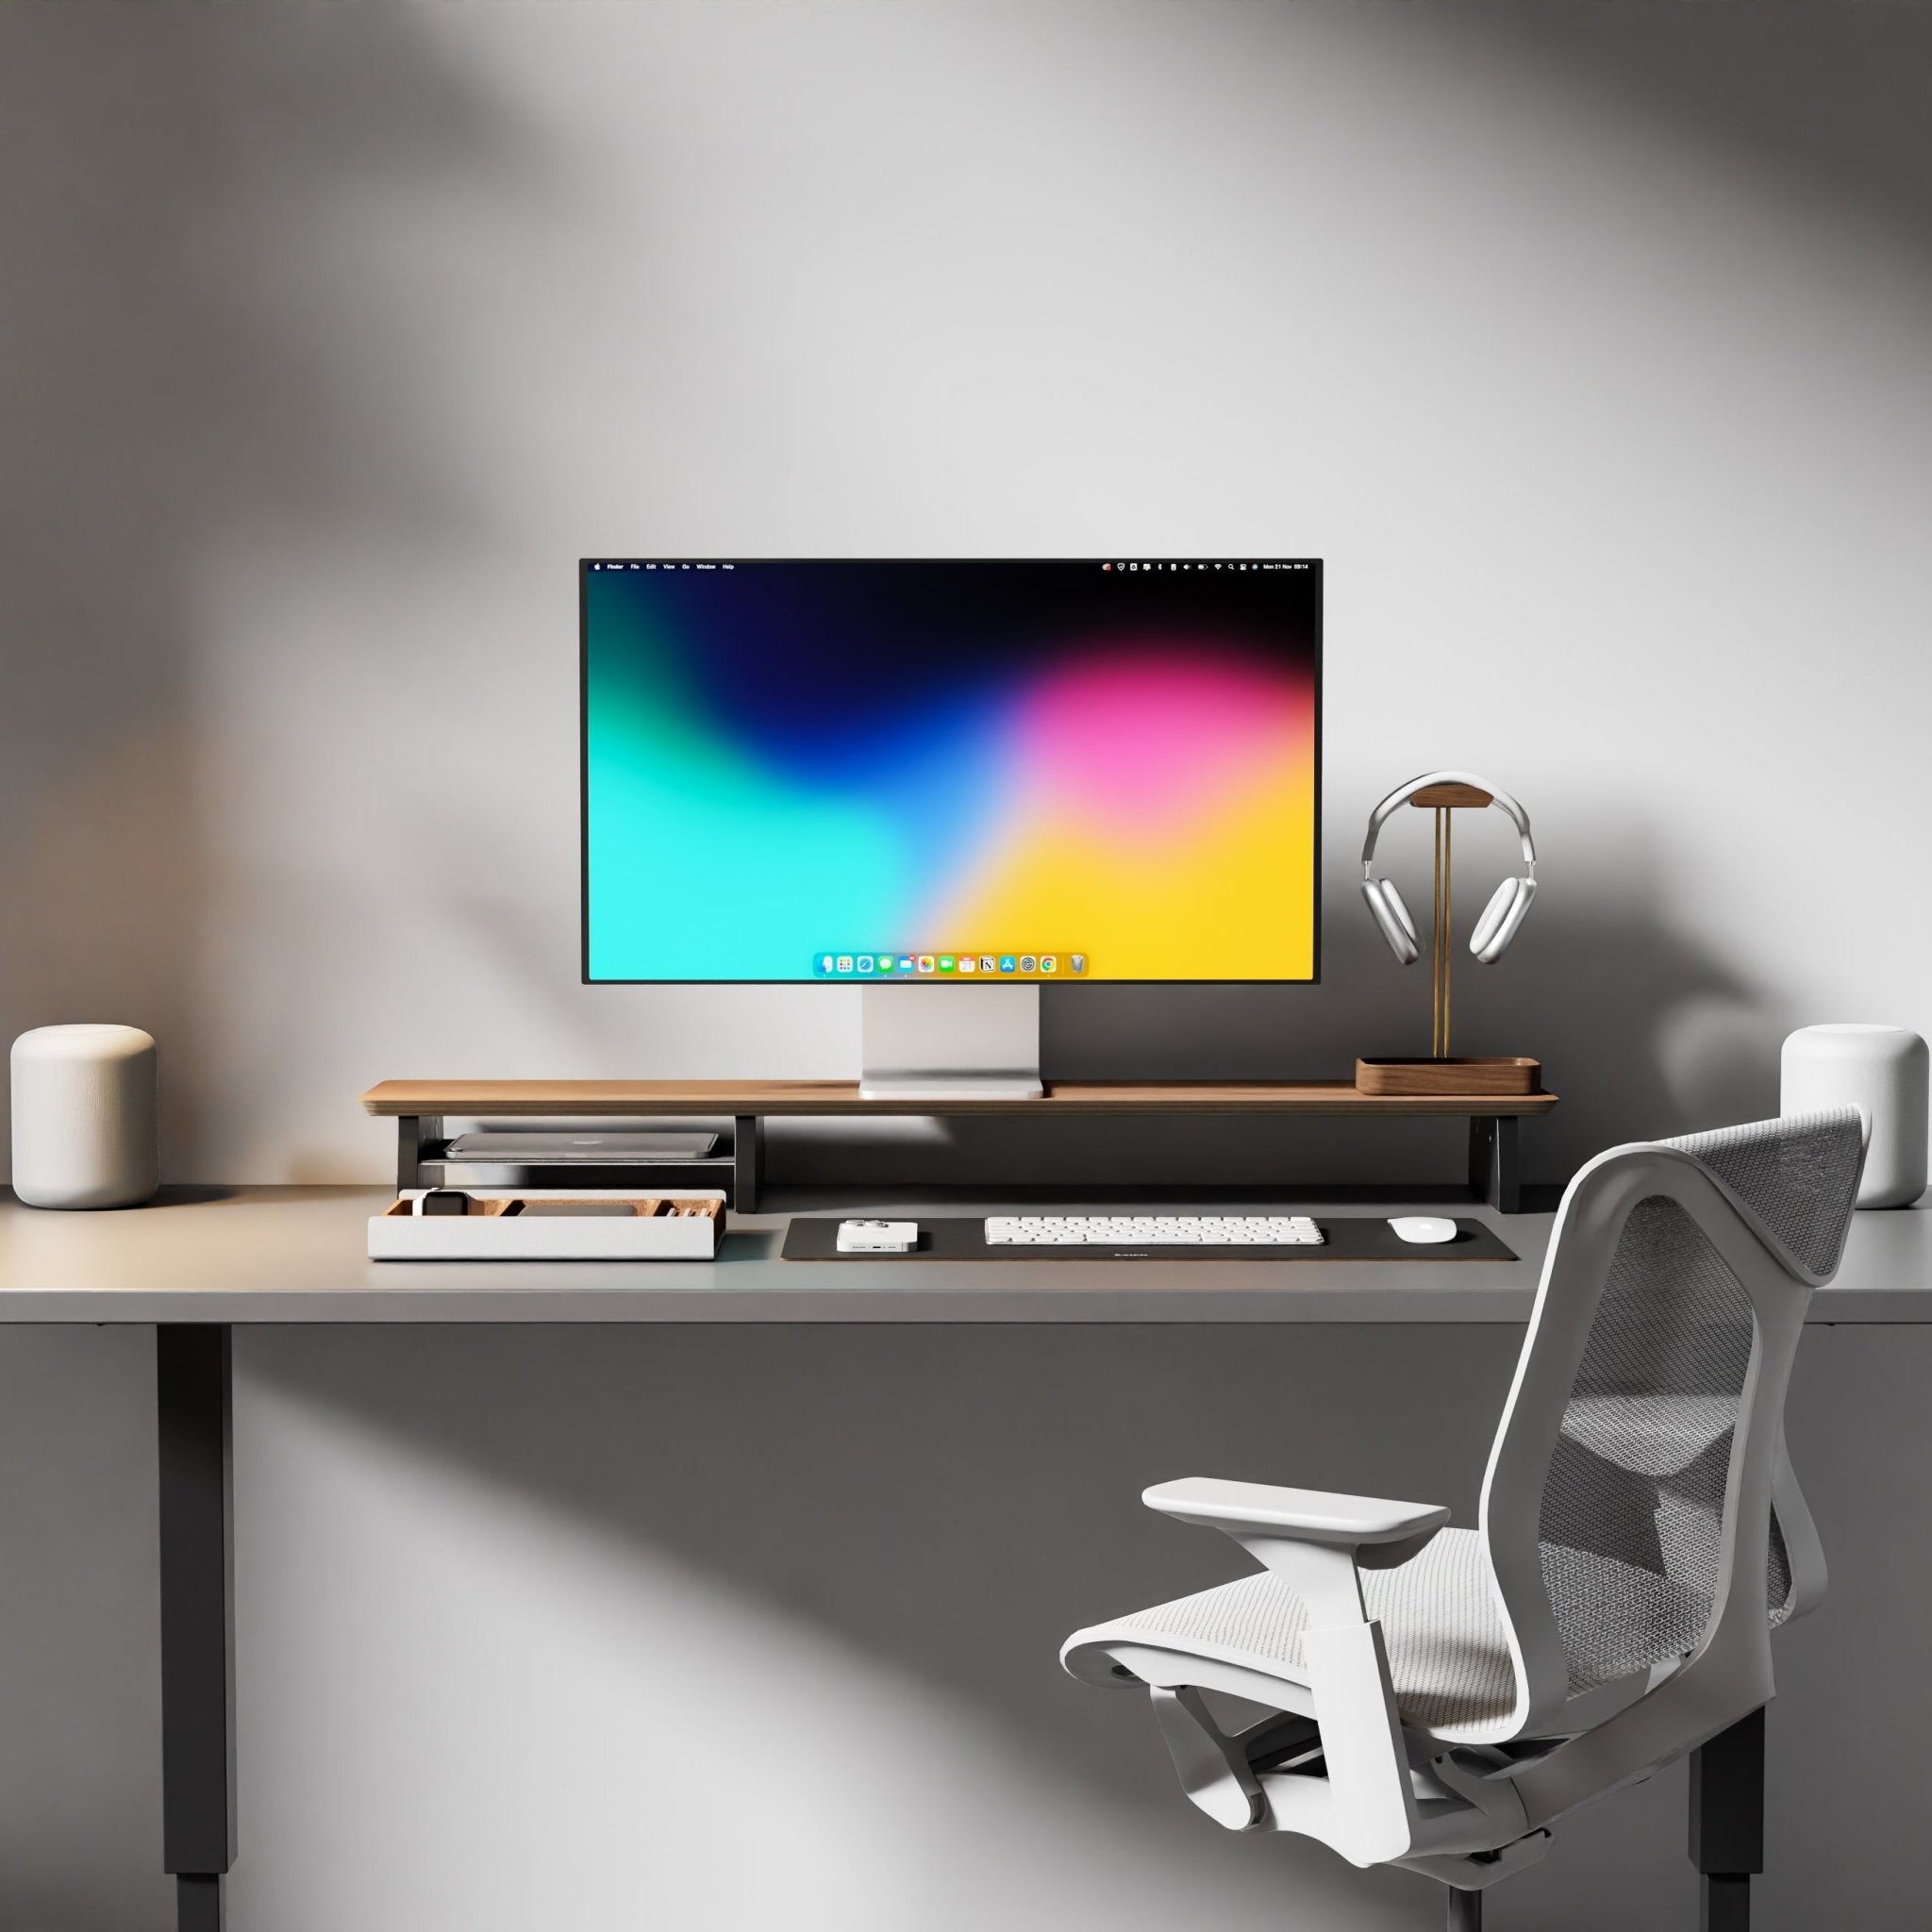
1507 904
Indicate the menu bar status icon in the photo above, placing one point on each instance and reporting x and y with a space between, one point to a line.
1132 566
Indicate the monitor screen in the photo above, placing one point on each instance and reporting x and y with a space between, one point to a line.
951 771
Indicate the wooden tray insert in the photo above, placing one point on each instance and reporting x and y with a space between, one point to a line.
481 1207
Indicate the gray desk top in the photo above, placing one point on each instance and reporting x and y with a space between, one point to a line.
297 1255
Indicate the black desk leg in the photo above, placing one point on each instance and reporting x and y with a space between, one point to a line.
1728 1822
747 1162
192 1384
1493 1172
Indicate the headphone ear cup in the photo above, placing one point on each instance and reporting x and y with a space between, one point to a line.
1490 921
1501 919
1392 915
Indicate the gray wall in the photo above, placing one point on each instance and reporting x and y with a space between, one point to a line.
1585 341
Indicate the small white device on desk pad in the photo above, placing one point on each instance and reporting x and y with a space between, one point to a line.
1421 1229
548 1224
1151 1231
878 1237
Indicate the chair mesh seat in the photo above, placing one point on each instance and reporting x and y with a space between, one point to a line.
1448 1654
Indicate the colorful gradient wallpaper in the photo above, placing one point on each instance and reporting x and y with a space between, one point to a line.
950 770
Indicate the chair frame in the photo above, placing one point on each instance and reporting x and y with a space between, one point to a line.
1336 1761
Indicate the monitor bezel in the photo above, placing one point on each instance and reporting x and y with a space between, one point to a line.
585 975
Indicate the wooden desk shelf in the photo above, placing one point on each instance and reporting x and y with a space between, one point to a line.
420 1107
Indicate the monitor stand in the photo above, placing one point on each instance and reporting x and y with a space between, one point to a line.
950 1042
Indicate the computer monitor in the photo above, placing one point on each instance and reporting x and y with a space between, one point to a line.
951 775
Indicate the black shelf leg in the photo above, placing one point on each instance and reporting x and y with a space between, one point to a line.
192 1403
418 1137
1727 1823
408 1151
1493 1172
747 1162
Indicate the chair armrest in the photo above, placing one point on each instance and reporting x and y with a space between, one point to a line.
1378 1534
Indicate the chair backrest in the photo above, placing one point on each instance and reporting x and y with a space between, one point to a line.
1629 1496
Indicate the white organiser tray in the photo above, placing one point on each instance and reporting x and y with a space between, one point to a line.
670 1225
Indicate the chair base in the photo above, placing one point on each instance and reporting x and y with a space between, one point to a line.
1727 1831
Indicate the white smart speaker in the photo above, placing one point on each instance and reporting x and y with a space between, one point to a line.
1882 1068
84 1132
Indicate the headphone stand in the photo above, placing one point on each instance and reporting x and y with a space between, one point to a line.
1444 800
1441 1073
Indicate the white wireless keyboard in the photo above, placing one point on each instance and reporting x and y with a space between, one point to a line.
1151 1231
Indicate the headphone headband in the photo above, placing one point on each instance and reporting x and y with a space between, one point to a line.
1404 792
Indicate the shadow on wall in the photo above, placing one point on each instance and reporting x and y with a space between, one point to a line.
167 390
945 1503
1827 101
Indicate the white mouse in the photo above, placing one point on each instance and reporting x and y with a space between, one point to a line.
1422 1227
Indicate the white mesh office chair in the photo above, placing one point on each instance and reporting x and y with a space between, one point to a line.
1438 1697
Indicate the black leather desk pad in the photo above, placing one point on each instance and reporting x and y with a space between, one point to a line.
962 1237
